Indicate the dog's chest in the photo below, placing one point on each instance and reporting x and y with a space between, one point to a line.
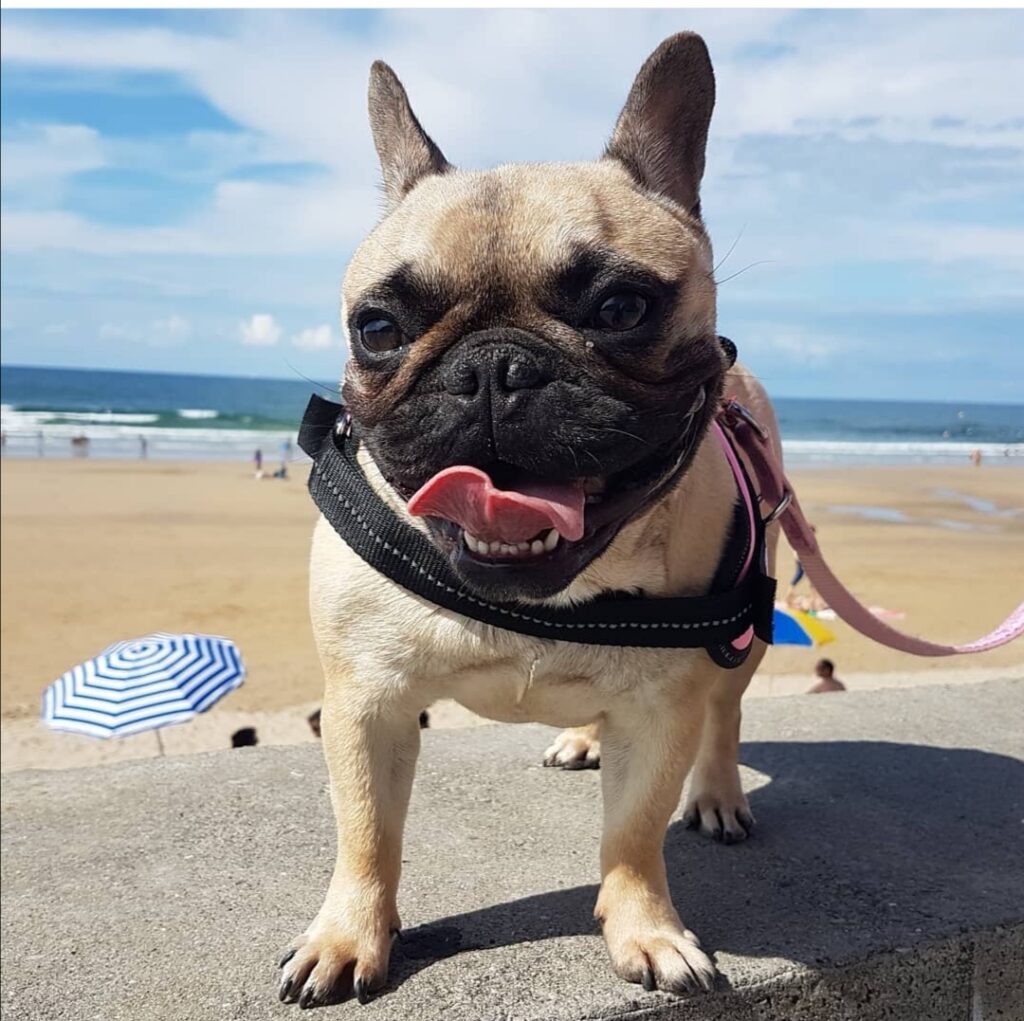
390 640
514 678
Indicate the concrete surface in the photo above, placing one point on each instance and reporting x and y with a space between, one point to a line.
885 879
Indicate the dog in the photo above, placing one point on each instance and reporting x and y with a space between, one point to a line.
547 330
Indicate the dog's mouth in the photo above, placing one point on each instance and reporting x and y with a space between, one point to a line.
510 531
503 512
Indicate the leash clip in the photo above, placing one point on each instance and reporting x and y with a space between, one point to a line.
343 427
732 409
780 508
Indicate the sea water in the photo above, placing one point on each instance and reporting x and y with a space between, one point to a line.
185 417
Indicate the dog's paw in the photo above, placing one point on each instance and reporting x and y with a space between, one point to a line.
662 957
719 810
576 748
330 963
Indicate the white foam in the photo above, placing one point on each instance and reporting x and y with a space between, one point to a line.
14 419
896 451
197 413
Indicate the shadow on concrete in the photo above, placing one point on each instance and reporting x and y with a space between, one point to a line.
860 846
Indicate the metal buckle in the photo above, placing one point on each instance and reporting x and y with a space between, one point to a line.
780 508
343 427
733 407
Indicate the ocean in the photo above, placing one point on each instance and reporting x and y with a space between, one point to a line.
227 418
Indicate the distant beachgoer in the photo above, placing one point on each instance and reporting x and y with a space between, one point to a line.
798 576
40 443
80 446
976 456
143 447
286 456
825 671
257 460
244 738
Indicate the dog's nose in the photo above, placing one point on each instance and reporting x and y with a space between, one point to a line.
499 371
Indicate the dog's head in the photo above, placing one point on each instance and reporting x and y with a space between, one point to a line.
534 356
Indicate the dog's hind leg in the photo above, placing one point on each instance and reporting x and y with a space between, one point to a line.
576 748
371 751
716 804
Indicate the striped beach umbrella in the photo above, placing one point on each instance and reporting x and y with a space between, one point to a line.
794 627
143 684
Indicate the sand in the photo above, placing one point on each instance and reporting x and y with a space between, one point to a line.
94 552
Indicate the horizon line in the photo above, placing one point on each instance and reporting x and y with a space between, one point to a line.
303 379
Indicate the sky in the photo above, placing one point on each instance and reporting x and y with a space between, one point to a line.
181 191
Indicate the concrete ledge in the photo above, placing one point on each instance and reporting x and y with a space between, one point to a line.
885 880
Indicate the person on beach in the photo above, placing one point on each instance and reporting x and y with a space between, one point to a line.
827 680
257 460
245 737
143 447
812 601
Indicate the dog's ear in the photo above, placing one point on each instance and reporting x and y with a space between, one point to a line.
663 128
407 153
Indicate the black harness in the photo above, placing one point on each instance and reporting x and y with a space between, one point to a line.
406 556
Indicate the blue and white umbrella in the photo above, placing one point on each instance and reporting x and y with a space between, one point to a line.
143 684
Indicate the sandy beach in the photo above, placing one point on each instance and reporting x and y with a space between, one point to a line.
94 552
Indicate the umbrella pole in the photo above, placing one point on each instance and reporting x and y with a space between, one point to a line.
159 741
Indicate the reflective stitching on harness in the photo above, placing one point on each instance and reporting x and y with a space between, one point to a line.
683 626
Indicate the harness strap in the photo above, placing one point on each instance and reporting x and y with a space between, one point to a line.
776 491
404 554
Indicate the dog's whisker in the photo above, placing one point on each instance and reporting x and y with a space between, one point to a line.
721 262
732 276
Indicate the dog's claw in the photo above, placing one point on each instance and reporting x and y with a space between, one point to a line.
308 997
286 957
362 990
647 980
285 991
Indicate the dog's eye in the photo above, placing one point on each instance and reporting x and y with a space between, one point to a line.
380 335
621 311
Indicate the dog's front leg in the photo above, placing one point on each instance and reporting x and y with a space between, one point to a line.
371 756
645 759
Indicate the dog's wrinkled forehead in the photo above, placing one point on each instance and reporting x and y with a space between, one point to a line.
508 235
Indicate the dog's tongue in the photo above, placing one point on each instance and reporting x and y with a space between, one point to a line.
467 496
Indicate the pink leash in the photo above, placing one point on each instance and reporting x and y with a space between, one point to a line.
776 491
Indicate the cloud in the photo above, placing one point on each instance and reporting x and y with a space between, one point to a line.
314 338
43 152
260 330
174 329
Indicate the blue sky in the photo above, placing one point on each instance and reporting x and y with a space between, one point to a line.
181 190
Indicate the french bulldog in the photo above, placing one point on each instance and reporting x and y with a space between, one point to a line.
533 371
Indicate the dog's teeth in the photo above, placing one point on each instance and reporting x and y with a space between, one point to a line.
495 547
551 540
523 547
473 544
536 547
506 549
